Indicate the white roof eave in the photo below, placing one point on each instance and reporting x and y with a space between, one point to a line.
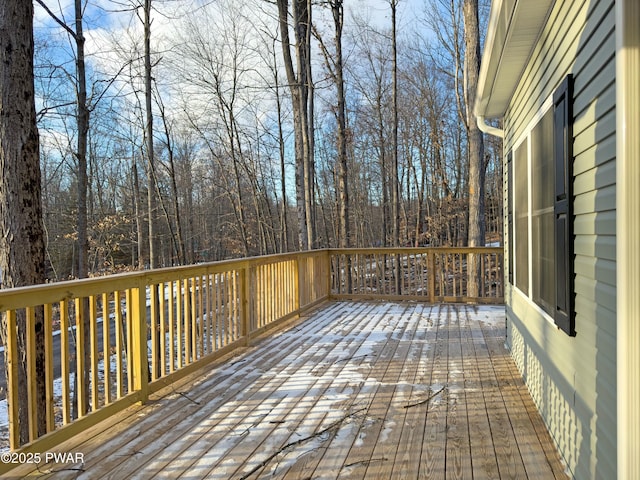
513 30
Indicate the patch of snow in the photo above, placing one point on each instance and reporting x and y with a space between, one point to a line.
493 315
387 428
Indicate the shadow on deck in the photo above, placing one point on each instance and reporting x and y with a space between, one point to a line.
361 389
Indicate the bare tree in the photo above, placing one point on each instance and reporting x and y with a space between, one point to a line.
21 235
217 60
152 190
370 75
335 67
82 122
270 58
392 163
395 198
476 231
300 84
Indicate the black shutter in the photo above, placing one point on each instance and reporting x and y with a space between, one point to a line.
512 251
564 314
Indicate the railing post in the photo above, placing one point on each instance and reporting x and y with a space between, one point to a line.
245 315
328 273
140 367
296 284
431 273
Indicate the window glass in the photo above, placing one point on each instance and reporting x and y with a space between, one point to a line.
542 216
521 210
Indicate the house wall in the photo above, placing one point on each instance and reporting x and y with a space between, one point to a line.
573 379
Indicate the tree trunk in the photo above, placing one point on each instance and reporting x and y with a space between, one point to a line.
177 238
299 84
81 154
152 188
21 228
308 107
384 182
476 229
137 203
395 192
338 77
343 184
284 227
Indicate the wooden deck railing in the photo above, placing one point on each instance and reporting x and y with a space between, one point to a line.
433 274
129 335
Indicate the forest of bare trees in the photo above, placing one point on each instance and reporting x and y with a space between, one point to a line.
175 132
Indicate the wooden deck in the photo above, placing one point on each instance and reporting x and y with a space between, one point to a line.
356 390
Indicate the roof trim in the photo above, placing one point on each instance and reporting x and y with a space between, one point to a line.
513 30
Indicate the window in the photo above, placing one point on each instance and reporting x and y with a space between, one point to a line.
541 237
521 210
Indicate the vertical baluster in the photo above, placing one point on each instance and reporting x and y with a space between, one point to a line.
179 329
93 325
106 347
194 319
210 312
129 342
163 328
80 357
153 326
48 366
12 380
64 361
117 300
172 325
32 405
234 302
201 314
188 290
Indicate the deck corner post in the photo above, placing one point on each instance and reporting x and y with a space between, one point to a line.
140 366
431 274
245 314
328 269
297 294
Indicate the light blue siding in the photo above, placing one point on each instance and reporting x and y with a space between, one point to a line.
573 379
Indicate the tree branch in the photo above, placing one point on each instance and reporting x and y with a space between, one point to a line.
266 461
42 112
427 400
58 20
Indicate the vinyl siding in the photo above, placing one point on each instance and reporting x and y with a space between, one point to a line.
573 379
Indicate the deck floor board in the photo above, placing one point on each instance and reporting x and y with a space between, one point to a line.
357 390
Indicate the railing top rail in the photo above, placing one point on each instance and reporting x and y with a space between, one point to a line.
344 251
34 295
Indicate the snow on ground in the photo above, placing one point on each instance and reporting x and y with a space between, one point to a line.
57 397
333 360
493 315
